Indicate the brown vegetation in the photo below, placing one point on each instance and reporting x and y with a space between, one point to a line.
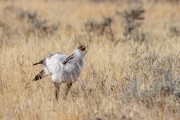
133 79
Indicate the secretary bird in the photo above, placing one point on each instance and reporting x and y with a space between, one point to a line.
62 68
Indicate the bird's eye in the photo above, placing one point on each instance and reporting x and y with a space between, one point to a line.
83 49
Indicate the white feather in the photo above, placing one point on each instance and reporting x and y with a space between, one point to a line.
64 73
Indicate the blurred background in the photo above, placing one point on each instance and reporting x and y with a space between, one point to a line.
131 70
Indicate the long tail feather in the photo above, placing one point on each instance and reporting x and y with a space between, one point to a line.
39 76
41 62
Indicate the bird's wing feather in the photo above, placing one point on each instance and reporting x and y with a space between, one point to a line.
53 63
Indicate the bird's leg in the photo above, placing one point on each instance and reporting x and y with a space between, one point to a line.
57 85
67 89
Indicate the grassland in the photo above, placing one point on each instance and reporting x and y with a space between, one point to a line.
124 79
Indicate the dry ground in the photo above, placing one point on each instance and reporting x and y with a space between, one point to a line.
135 79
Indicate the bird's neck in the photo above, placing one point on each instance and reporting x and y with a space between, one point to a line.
77 56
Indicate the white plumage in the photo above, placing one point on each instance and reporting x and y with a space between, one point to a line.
63 68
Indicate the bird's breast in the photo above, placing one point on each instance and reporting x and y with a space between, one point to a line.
70 73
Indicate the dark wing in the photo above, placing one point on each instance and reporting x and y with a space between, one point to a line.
68 59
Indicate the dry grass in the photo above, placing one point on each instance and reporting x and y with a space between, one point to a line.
122 79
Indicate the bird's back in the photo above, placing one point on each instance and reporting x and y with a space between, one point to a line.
68 72
53 63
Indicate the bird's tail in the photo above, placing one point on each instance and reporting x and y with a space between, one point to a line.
40 62
39 76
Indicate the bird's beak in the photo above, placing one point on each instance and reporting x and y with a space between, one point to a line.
84 48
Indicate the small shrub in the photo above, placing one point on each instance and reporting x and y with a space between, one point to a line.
174 31
100 28
37 24
152 78
133 19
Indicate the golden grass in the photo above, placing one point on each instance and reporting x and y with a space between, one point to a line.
118 80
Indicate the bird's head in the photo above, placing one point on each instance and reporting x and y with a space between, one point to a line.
80 51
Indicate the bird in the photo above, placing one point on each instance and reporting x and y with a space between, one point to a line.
62 68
